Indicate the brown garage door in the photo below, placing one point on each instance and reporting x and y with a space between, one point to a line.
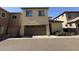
35 30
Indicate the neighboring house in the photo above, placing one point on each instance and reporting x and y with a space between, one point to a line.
75 21
14 24
34 21
9 23
68 17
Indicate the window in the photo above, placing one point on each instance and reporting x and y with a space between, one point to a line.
3 15
29 13
14 17
41 13
78 14
69 16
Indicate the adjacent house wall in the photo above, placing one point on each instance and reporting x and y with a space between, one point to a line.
72 15
3 21
56 26
62 18
14 26
77 26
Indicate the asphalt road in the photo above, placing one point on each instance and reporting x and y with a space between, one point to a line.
40 44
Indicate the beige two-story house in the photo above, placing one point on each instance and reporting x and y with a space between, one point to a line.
34 21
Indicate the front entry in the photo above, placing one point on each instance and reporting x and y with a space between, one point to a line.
34 30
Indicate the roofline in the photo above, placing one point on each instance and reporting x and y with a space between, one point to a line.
71 22
54 21
10 12
15 13
66 12
34 7
4 10
58 15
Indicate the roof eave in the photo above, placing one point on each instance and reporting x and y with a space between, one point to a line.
35 7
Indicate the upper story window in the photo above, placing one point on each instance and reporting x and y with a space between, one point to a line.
69 16
41 13
3 14
29 13
78 14
14 17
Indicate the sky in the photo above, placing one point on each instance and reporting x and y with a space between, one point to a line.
52 12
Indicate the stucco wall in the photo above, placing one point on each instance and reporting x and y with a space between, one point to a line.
64 19
56 26
14 26
34 19
77 26
4 21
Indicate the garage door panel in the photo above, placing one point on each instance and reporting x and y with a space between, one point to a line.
35 30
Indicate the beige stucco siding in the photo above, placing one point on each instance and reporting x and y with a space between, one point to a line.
62 18
56 26
34 19
14 26
71 25
4 21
